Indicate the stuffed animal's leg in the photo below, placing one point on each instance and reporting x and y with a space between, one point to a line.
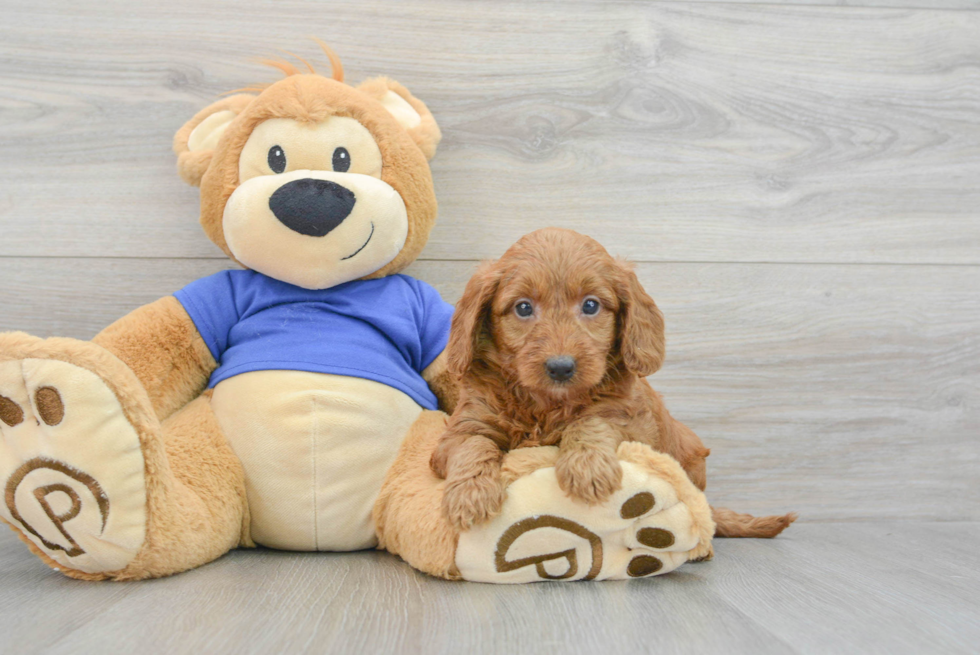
95 485
408 514
654 523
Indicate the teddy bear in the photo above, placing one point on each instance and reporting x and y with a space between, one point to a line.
294 403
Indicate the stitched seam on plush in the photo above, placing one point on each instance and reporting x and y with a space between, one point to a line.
316 512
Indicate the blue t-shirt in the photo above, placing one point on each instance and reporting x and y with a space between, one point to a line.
388 330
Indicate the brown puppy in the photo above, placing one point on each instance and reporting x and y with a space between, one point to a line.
551 344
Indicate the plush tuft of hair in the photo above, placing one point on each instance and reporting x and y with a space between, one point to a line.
288 69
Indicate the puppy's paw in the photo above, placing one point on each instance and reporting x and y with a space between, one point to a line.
591 475
439 461
474 500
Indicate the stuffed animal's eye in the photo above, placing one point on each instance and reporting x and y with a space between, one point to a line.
341 160
277 159
590 307
524 308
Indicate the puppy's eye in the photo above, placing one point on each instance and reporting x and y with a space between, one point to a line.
341 160
524 308
277 159
590 307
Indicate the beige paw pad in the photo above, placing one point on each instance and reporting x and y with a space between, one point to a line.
541 534
71 467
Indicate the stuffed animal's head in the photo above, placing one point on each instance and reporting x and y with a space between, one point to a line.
312 181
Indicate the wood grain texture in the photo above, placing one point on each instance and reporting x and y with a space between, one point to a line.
839 391
895 4
800 183
841 588
681 132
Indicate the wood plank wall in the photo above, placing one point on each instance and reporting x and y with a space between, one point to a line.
799 184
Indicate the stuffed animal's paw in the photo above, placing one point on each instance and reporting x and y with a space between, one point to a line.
70 461
591 475
655 522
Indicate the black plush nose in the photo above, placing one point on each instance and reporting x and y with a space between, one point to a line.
312 207
560 368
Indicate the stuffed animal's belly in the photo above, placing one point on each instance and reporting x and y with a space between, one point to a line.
315 448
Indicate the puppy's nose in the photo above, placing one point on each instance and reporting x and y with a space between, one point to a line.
560 368
312 207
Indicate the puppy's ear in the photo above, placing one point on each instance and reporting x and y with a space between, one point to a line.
194 143
641 326
469 327
410 112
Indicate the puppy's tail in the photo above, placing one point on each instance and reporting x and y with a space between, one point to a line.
733 524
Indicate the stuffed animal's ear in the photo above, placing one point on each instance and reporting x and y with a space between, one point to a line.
470 319
408 110
194 143
641 326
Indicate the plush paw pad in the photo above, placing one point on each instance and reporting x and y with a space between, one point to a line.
642 529
71 466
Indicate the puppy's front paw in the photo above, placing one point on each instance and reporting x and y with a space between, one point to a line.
469 501
439 461
591 475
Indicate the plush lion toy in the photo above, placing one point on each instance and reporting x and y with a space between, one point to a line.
294 404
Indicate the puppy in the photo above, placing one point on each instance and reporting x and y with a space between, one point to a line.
551 344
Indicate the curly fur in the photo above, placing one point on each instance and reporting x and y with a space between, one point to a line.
507 399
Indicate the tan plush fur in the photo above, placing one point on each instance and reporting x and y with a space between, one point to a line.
687 493
312 98
184 529
192 165
412 524
157 365
442 382
198 508
162 347
407 514
426 134
508 401
524 461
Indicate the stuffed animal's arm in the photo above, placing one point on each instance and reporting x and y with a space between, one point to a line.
442 383
166 352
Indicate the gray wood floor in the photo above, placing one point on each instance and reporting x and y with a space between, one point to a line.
886 587
799 183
